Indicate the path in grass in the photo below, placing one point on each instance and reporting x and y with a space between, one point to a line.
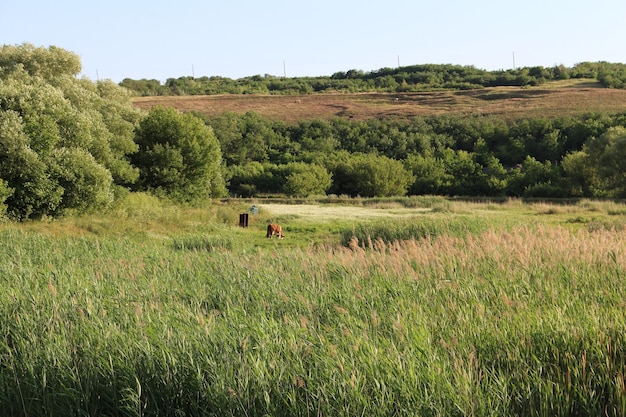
321 213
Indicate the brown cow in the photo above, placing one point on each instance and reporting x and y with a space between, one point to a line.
274 229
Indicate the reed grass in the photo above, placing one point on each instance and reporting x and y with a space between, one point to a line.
416 227
462 320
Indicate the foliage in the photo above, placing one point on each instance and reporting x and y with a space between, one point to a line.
86 184
606 155
246 180
49 117
44 63
369 175
612 75
306 179
400 79
296 179
5 192
581 175
178 157
34 192
430 175
249 137
449 155
67 145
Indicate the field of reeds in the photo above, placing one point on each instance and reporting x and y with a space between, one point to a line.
485 309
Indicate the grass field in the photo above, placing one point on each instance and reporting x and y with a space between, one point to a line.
573 97
401 307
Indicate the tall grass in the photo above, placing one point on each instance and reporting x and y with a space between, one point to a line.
419 227
525 322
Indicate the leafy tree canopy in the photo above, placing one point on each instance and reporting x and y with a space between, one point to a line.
179 156
307 179
607 156
369 175
64 142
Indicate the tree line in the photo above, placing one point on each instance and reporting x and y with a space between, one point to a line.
391 80
443 155
70 145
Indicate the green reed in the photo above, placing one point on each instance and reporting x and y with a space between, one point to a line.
488 323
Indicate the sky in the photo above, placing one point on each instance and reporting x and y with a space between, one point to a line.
159 39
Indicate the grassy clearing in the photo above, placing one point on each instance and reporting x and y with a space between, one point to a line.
507 309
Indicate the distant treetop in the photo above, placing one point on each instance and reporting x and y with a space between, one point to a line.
427 77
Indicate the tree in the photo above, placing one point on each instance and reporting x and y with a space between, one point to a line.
86 183
607 154
45 63
179 156
429 172
34 193
307 179
368 175
536 179
492 175
244 138
248 179
47 114
580 175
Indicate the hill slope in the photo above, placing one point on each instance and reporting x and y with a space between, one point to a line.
549 100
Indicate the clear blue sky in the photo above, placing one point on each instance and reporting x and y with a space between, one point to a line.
237 38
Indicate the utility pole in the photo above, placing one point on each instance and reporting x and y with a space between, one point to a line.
284 70
514 60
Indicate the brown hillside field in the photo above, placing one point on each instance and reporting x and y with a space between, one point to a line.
572 98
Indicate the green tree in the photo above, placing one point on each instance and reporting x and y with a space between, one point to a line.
369 175
34 192
469 178
307 179
47 114
247 180
179 156
536 179
581 175
48 64
244 138
5 192
86 183
430 174
229 129
315 136
607 154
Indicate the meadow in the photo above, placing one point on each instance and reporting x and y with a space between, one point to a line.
574 97
403 307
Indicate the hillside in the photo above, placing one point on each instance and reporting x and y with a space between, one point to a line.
552 99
